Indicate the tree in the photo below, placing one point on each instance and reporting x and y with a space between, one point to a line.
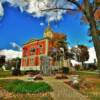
89 9
81 53
15 62
57 41
2 60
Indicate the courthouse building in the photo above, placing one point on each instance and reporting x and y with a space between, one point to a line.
34 50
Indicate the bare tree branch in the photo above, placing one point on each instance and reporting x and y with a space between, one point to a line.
68 9
95 6
75 3
80 7
95 10
54 9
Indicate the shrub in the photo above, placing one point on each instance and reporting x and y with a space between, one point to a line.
32 72
92 67
65 70
77 67
16 72
19 86
38 77
76 86
61 76
72 73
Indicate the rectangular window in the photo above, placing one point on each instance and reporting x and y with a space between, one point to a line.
41 49
31 61
32 51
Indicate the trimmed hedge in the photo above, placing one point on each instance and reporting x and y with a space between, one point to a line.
65 70
19 86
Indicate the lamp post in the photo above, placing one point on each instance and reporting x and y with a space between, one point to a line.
62 49
54 50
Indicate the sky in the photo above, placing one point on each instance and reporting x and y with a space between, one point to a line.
19 27
19 24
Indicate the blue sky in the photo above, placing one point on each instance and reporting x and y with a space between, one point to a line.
20 27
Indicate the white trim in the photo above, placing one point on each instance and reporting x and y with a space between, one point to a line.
46 47
26 68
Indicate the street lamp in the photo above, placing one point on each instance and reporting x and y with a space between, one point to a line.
54 50
62 49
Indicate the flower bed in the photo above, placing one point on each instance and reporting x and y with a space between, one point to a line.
19 86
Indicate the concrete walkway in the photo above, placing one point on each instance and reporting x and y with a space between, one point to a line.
14 77
62 91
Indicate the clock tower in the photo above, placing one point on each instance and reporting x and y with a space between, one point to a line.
48 32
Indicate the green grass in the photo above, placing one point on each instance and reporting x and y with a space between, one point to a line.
19 86
93 94
5 73
87 74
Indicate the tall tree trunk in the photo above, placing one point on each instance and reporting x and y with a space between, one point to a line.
82 65
96 41
88 11
93 29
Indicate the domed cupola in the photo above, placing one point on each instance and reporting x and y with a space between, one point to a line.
48 32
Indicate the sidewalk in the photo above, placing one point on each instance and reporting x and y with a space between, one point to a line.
62 91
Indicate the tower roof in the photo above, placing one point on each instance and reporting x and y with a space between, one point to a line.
48 29
48 32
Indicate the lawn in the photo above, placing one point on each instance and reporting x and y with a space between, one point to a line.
5 73
17 89
20 86
92 78
87 73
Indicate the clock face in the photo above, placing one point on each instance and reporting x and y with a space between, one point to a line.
48 34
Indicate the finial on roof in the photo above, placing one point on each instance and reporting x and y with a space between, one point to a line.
48 23
48 31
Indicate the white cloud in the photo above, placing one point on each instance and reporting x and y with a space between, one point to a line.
19 3
41 24
1 9
9 53
74 62
34 7
92 55
15 46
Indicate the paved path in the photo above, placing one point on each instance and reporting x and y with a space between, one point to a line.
14 77
62 91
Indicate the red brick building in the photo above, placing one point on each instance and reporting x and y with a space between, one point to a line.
37 48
